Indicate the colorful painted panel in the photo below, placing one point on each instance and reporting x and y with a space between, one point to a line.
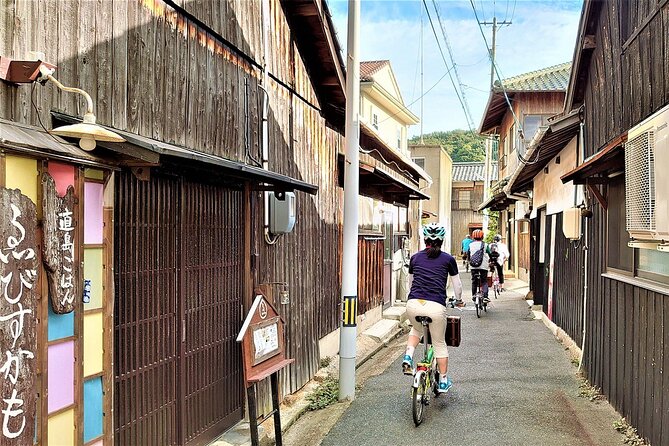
94 174
60 325
92 409
63 175
92 343
61 375
93 272
93 202
61 429
22 174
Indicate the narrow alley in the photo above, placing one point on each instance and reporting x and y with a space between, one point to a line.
514 384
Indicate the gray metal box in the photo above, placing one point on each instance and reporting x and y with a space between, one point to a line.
281 212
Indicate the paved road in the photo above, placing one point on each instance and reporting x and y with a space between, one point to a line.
514 384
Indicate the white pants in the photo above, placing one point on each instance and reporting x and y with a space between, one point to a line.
436 312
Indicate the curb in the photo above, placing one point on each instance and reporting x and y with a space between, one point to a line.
266 439
559 334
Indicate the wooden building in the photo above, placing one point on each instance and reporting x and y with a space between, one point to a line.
179 241
619 80
534 97
467 195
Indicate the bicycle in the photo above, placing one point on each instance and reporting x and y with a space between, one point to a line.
425 376
465 261
479 299
495 281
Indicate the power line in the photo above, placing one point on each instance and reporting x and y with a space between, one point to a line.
496 69
441 51
468 112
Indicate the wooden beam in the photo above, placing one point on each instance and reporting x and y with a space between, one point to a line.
589 42
598 195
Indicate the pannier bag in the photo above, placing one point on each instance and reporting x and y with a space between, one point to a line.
453 331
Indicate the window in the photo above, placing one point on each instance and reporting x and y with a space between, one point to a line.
369 215
399 138
644 263
420 162
464 199
531 124
375 121
510 140
401 220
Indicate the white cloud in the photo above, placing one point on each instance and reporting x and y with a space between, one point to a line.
542 34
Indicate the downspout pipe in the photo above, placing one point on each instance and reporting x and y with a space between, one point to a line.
580 156
269 239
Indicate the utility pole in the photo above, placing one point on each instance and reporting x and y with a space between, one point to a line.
421 77
488 142
495 24
349 285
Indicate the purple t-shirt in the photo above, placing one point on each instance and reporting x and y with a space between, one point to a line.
430 276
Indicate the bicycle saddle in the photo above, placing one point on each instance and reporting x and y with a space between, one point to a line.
424 318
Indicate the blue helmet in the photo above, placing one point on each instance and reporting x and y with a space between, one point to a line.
434 231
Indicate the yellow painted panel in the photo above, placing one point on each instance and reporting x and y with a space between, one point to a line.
22 174
93 344
61 429
94 174
93 272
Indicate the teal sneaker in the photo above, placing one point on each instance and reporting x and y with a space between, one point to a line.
445 386
407 365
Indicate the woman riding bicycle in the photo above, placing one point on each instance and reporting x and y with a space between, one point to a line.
479 270
431 268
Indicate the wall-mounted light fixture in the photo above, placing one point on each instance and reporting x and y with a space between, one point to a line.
88 131
35 70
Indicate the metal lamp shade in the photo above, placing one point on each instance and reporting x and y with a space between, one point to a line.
87 131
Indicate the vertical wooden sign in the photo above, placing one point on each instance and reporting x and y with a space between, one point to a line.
18 306
59 246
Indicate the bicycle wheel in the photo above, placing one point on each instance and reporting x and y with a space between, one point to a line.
417 401
496 288
477 304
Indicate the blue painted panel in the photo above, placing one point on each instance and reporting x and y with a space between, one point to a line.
60 325
92 409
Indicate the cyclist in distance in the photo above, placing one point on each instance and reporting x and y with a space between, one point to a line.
431 268
481 268
465 248
503 256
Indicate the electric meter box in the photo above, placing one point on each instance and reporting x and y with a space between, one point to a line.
571 225
281 212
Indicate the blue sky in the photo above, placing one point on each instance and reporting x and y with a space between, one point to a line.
543 33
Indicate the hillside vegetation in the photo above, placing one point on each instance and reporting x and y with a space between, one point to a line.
461 145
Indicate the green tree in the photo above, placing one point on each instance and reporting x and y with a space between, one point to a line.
461 145
493 226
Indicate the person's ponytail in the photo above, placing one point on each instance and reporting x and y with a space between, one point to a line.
433 248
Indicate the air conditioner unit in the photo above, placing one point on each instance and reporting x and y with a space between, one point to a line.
647 178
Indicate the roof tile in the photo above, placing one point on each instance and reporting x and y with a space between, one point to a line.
472 172
555 78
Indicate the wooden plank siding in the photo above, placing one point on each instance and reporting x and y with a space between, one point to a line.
627 343
370 277
154 71
568 284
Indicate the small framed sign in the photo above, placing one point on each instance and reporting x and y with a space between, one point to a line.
265 340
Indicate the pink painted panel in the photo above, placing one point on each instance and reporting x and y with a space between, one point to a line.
61 375
93 203
97 443
63 175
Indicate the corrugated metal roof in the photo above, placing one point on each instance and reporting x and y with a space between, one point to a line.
370 67
555 78
472 172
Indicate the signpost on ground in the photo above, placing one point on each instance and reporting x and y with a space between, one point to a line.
263 354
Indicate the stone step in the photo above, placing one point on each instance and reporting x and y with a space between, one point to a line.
396 313
381 330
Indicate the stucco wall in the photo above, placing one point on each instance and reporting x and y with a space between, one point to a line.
549 189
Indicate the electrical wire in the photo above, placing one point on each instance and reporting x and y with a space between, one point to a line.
39 118
441 51
496 69
417 99
455 69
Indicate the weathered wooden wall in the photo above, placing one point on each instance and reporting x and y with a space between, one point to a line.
568 284
462 217
370 276
627 343
153 70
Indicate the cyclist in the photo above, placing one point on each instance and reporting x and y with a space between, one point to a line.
479 268
503 255
465 248
431 268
